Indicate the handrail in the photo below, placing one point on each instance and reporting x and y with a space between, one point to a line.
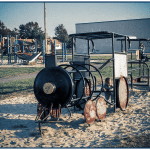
147 72
104 64
132 49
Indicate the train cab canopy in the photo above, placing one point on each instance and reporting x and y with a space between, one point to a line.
97 35
92 37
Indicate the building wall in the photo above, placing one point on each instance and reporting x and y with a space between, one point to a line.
135 27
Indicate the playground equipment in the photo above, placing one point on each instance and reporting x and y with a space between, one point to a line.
140 58
80 84
22 49
28 57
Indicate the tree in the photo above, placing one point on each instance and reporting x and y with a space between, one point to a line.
15 32
4 31
31 30
61 34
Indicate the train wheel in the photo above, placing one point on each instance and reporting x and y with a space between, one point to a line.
122 90
101 108
90 112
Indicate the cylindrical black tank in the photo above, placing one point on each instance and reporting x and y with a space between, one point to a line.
53 85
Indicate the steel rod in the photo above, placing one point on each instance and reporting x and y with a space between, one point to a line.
114 82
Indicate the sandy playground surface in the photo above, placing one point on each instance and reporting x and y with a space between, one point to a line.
18 127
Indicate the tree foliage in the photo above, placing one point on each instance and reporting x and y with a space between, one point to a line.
15 32
31 30
61 34
4 31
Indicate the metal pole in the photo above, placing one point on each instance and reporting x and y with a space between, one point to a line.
2 48
88 47
10 49
121 45
125 44
54 48
65 52
72 48
23 47
17 49
1 40
114 82
148 78
43 52
51 47
45 28
62 52
36 50
140 64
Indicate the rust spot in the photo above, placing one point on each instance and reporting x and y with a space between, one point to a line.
55 113
40 109
122 93
88 89
101 108
90 112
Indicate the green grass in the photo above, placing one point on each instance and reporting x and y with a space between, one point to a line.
91 57
26 85
18 70
100 57
107 72
5 57
16 86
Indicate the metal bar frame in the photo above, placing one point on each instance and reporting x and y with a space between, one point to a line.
144 63
73 39
112 36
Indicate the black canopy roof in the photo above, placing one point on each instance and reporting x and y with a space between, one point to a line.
96 35
137 39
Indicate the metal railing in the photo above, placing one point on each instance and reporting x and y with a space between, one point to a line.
141 71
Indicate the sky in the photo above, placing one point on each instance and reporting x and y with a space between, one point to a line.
68 13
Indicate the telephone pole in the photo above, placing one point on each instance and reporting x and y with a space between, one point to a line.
45 27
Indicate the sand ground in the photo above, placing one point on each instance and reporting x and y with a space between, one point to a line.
18 127
129 128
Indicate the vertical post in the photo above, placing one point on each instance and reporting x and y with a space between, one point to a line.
2 49
17 48
15 52
43 52
54 48
23 47
1 40
10 49
143 70
121 45
140 63
88 47
65 52
62 52
29 48
148 77
125 43
45 27
72 48
36 50
51 47
129 44
114 82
